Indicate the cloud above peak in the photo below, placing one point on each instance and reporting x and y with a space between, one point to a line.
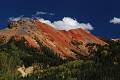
68 23
43 13
115 20
15 18
40 12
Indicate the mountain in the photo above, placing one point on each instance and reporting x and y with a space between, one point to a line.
67 44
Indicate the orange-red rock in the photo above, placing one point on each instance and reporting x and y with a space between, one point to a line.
58 40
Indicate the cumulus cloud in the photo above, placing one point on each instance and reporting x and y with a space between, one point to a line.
46 22
40 12
15 18
115 20
43 13
68 23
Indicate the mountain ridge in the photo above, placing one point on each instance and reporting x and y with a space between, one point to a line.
60 41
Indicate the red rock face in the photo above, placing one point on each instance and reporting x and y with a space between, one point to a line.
18 37
31 42
85 36
58 40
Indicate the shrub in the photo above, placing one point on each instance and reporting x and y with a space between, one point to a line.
76 43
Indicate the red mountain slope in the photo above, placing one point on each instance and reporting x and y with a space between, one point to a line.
60 41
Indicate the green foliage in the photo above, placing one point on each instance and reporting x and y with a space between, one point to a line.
8 66
107 54
78 70
53 58
16 53
93 71
62 72
102 64
76 43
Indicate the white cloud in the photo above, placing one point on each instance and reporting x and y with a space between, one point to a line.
40 12
43 13
115 20
68 23
15 18
46 21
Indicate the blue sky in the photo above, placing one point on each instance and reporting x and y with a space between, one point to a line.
97 12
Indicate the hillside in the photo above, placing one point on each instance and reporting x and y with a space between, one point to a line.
60 41
21 61
32 50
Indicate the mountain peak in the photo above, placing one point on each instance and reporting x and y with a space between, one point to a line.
64 43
